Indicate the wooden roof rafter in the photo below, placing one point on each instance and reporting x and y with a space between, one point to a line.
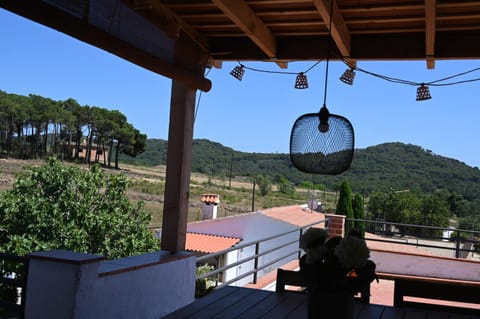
246 19
156 11
430 28
339 32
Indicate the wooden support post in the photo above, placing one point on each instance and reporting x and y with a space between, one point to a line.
179 163
179 152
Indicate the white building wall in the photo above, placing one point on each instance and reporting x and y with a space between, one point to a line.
230 258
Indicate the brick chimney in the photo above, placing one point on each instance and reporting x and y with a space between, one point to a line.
210 204
336 225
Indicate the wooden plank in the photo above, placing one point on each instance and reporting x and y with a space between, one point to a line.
263 307
244 17
290 302
392 313
223 303
435 290
443 308
371 312
168 19
461 316
432 314
430 28
358 307
411 313
289 277
201 303
339 32
237 309
299 312
245 303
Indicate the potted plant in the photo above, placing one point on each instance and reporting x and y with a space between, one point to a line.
335 270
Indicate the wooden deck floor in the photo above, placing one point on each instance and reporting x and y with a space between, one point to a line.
247 303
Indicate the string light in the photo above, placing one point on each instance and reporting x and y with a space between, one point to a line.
423 93
348 76
238 72
301 81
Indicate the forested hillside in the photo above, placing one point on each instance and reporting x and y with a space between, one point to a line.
36 127
394 166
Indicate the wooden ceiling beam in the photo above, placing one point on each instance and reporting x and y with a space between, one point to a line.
339 32
246 19
430 27
157 13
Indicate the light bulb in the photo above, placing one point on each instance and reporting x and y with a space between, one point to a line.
323 127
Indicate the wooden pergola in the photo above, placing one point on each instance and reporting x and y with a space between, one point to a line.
179 39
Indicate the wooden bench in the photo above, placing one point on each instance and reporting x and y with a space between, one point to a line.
425 276
295 278
290 278
405 286
432 288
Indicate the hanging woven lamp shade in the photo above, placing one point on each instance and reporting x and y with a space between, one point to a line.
301 81
322 143
423 93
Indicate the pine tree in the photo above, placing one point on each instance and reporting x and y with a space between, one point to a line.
344 204
358 213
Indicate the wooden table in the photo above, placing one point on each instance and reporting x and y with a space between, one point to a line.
432 277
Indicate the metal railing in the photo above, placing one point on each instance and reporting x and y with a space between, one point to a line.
422 236
255 257
387 237
13 285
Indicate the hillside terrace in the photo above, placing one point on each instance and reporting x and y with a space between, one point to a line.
179 40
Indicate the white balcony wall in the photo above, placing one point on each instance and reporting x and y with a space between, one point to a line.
67 285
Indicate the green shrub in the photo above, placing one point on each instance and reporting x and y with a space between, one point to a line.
203 286
64 207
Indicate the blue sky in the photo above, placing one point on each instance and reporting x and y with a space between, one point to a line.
256 114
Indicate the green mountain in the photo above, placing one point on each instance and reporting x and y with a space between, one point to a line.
391 165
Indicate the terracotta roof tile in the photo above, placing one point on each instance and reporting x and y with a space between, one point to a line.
205 243
295 215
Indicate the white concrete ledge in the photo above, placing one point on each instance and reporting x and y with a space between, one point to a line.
65 285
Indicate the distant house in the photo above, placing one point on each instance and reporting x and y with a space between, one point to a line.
214 235
98 153
202 244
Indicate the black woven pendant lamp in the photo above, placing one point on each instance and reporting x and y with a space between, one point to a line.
322 143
